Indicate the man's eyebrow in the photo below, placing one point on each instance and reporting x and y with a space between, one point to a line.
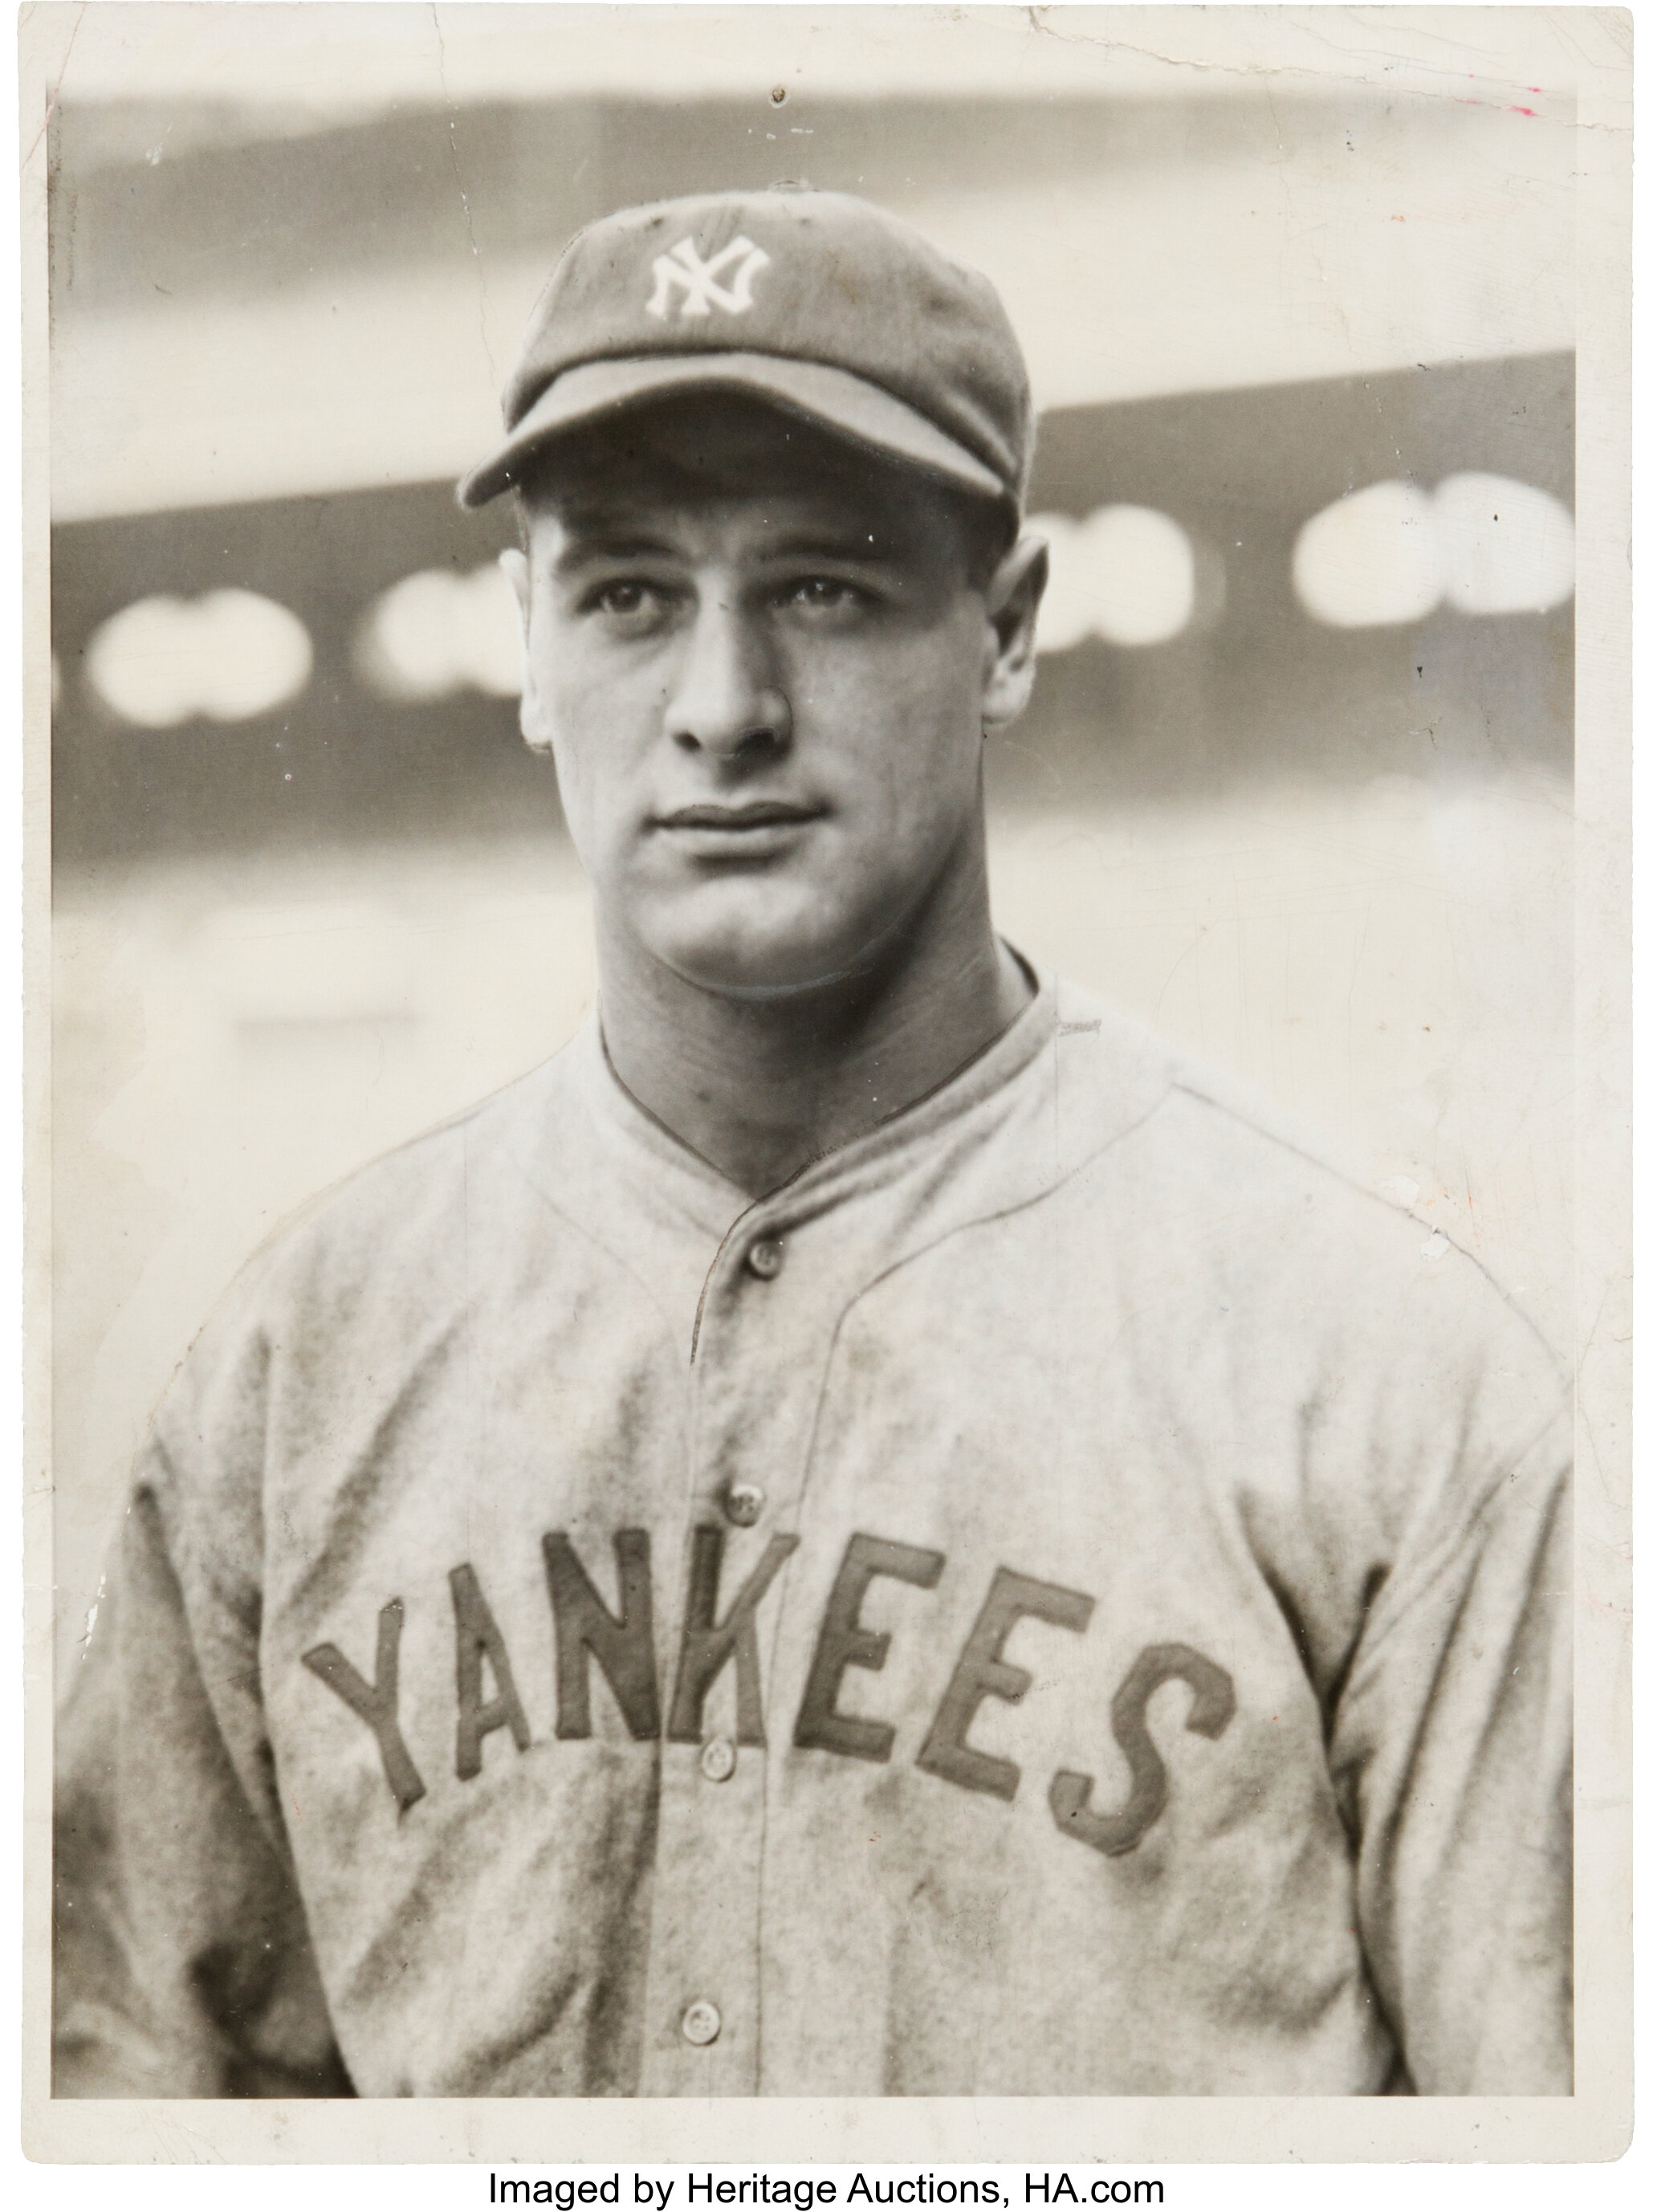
846 545
622 541
608 542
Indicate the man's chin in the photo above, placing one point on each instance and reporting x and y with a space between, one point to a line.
757 940
756 979
755 966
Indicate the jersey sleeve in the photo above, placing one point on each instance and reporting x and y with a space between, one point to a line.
1452 1753
182 1963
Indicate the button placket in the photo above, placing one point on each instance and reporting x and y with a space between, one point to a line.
752 1392
703 1952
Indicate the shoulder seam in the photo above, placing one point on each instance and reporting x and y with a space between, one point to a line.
270 1246
1353 1183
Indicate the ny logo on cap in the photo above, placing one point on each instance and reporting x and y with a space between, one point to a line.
683 269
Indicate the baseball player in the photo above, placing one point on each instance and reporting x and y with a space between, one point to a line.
865 1529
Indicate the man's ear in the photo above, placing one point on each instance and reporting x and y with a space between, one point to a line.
514 563
1013 604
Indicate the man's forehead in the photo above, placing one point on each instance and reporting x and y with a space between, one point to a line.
849 515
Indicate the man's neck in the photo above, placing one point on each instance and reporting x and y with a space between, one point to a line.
759 1088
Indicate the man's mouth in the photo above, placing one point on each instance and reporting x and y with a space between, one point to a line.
751 814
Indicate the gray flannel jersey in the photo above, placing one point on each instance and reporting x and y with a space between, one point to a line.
1067 1596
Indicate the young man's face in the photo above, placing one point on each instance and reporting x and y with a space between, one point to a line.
764 685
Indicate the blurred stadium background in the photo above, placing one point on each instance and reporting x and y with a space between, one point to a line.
1295 789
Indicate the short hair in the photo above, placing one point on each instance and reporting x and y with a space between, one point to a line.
656 445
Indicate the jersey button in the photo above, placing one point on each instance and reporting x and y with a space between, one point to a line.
743 1501
717 1759
703 2022
764 1259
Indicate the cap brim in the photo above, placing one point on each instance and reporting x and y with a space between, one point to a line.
832 398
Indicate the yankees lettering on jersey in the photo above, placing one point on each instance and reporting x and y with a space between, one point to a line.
622 1646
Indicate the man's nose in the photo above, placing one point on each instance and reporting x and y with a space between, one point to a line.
726 699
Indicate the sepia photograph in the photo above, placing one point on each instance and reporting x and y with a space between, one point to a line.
830 1033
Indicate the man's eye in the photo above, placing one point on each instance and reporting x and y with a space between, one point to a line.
624 598
824 594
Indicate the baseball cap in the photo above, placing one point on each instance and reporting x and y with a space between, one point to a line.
817 302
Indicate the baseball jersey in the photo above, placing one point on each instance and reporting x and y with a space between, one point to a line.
1067 1596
